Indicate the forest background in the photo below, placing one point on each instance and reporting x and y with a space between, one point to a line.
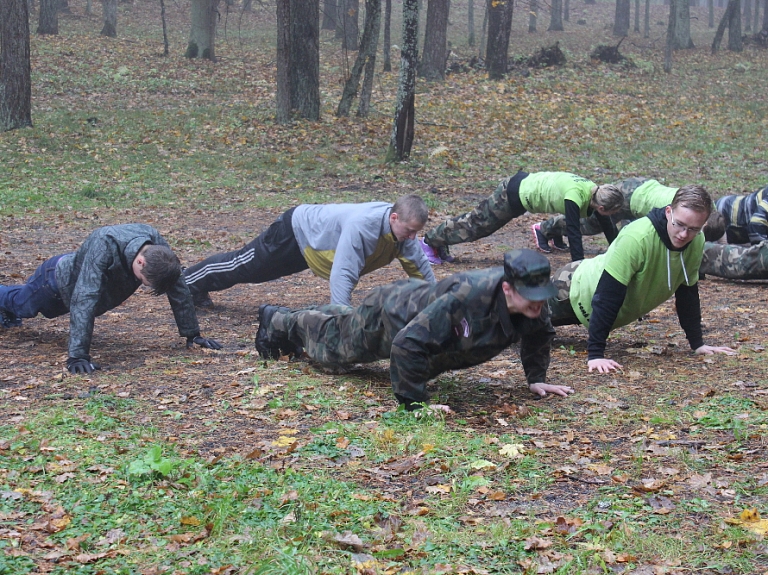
187 461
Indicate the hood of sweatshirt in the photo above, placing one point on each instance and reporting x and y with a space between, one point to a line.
658 217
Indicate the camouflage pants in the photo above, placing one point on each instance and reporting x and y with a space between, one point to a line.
561 312
336 334
555 226
736 262
490 215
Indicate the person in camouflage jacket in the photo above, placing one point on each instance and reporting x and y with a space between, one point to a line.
736 262
427 329
107 268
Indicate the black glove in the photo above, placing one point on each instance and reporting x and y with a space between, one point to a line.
206 342
79 365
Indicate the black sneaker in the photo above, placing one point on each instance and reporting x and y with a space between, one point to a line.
202 299
559 244
8 320
271 348
445 255
540 239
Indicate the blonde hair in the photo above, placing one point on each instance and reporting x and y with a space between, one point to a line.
609 197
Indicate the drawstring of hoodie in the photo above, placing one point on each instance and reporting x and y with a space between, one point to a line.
669 271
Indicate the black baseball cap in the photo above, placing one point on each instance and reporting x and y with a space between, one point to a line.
528 272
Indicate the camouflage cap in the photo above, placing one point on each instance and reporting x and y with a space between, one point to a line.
528 272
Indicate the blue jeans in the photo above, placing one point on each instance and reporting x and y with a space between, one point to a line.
39 295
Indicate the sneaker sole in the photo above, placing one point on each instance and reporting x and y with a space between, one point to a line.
534 229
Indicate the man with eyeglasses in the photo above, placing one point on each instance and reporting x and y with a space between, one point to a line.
651 259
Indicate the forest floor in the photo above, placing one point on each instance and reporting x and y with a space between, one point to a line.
170 460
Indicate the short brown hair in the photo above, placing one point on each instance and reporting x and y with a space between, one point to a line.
714 229
161 268
694 197
411 208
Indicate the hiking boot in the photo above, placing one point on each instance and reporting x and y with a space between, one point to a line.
559 244
267 347
7 319
202 299
431 254
540 239
445 255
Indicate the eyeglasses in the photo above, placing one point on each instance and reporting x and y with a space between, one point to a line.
682 228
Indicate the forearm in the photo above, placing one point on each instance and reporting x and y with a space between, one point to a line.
573 230
688 308
606 303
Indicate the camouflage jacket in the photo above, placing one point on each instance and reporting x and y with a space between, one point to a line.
459 322
99 277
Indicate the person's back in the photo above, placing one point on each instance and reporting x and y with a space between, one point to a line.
746 217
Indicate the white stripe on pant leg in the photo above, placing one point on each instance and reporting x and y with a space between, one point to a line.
219 267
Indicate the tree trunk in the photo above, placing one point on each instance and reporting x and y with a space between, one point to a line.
670 44
248 6
387 48
366 58
567 10
734 30
637 16
15 71
756 16
471 23
109 9
64 7
329 15
533 14
621 22
682 36
405 105
89 7
364 102
484 29
435 55
747 16
556 17
499 27
305 58
711 10
49 17
765 17
165 28
346 23
202 36
733 5
647 20
283 80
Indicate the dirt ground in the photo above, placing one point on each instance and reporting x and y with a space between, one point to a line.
144 359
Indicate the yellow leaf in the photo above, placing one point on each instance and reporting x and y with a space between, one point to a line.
284 441
191 520
512 450
749 515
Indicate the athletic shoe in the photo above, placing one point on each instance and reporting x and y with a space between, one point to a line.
271 348
445 255
7 319
431 254
202 299
559 244
540 239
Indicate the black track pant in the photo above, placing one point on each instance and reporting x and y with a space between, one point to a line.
274 254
